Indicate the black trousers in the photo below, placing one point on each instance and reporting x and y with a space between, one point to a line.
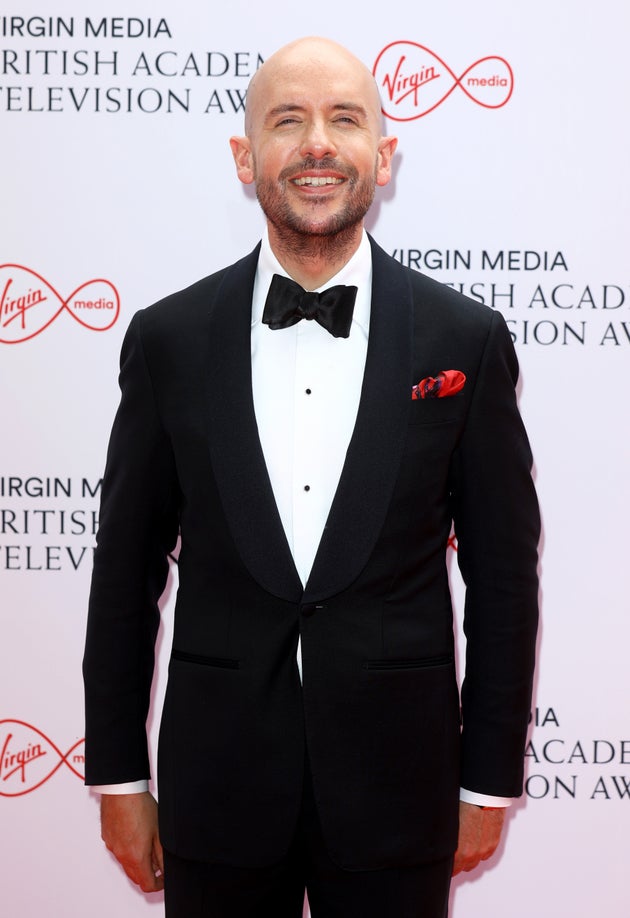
195 889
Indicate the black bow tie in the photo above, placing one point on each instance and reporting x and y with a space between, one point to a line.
287 303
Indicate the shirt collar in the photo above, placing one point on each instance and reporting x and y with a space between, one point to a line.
356 272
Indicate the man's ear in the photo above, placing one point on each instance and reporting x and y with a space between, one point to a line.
242 153
386 149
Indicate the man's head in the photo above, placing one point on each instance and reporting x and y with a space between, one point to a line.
313 143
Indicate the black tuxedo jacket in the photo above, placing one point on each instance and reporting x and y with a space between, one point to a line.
379 711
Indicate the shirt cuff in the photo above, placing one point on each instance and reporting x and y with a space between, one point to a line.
130 787
467 796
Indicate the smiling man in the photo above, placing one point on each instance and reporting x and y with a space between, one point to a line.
312 431
315 151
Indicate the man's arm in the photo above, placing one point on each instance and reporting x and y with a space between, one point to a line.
138 527
497 525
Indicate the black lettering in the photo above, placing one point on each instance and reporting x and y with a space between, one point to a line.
8 519
622 786
73 561
600 788
486 261
86 490
214 103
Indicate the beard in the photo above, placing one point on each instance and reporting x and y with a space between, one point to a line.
314 231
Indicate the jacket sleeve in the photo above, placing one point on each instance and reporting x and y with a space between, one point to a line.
137 528
497 526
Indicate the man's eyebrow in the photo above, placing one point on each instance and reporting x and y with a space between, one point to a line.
286 107
350 107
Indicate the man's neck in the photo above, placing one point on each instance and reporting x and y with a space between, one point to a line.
313 260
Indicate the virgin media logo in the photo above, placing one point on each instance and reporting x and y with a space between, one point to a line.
28 758
413 81
29 304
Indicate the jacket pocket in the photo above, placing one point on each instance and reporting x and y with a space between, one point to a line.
418 663
202 660
436 410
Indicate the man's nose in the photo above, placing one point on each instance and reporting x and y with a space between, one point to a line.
317 141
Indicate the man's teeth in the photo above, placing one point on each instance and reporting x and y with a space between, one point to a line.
317 180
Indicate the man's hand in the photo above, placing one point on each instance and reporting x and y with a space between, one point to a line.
479 835
129 828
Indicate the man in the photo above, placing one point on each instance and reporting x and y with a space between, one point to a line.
311 728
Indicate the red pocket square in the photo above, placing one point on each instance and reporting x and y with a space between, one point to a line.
447 382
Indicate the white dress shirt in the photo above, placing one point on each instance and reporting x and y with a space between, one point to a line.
306 389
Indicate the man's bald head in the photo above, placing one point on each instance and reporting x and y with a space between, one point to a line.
321 60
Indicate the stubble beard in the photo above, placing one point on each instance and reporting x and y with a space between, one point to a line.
308 236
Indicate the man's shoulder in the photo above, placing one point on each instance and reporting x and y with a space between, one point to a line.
196 302
431 296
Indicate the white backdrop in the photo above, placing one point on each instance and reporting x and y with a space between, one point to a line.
118 187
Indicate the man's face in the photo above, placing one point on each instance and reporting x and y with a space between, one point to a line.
313 144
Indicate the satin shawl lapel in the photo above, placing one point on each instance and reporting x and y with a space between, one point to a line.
373 458
237 456
372 462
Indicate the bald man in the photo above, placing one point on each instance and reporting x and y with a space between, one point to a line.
312 431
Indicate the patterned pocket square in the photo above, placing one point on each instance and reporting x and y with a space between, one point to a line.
447 382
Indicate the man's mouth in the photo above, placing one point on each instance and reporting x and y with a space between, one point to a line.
317 180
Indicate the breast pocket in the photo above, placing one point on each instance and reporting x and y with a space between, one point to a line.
436 410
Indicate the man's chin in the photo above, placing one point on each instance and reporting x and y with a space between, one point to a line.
321 225
316 219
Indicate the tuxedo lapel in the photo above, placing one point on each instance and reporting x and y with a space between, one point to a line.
236 452
373 458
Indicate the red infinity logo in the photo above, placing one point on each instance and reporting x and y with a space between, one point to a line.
28 758
29 304
413 81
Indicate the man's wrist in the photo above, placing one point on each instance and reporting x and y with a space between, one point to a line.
485 801
128 787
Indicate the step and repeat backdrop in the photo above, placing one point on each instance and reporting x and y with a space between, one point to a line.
511 184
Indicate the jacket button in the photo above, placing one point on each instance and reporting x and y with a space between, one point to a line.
310 608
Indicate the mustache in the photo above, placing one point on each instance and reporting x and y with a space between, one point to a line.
310 164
